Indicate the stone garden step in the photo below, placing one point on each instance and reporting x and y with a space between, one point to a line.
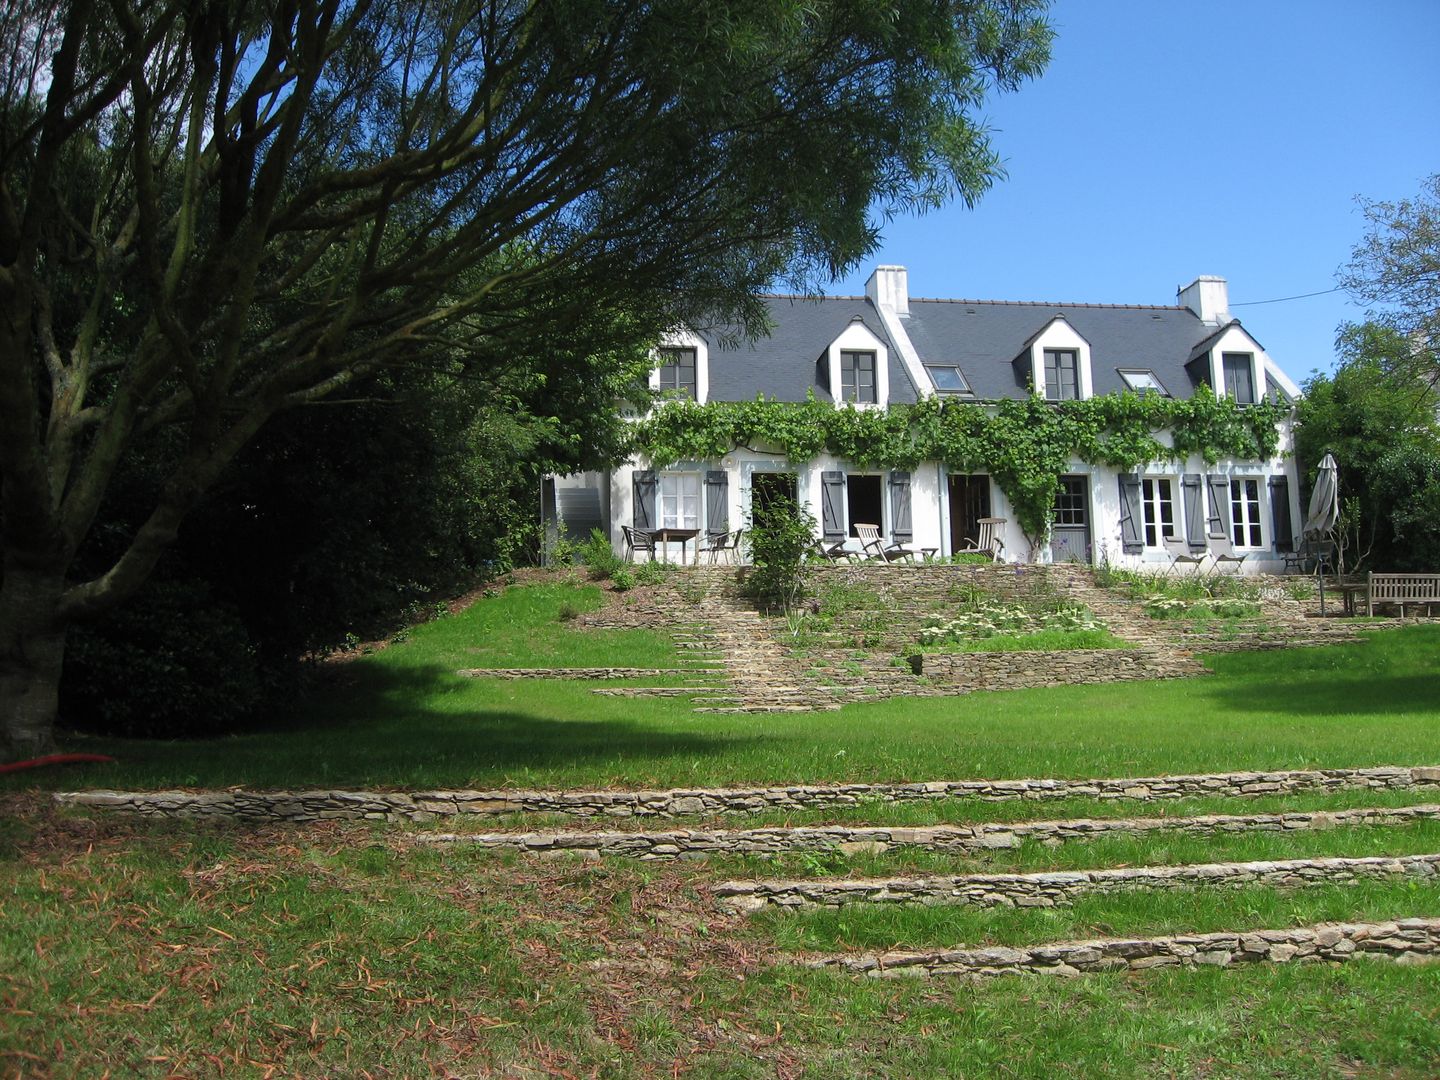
1406 941
1052 888
958 839
430 805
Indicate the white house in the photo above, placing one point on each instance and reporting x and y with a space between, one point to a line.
886 348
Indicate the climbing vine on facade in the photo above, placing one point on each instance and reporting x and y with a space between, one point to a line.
1025 445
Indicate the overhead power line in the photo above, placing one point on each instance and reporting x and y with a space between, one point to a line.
1282 299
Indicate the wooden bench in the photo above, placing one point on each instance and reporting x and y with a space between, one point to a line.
1401 590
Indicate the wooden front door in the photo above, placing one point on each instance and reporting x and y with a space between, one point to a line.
969 502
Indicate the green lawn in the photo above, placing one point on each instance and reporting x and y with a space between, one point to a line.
159 948
402 718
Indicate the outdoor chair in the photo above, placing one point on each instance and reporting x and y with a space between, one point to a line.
1315 553
717 544
1225 557
988 542
835 552
1182 556
638 540
875 547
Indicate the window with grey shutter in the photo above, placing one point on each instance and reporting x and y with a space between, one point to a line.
1283 530
1194 512
646 483
1131 515
902 532
717 501
1217 521
832 506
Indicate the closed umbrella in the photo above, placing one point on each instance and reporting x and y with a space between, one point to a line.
1324 500
1324 512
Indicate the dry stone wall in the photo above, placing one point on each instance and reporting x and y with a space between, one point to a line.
959 839
1407 941
1054 888
430 805
1021 670
586 673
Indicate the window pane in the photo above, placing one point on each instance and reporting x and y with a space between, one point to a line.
948 380
1239 383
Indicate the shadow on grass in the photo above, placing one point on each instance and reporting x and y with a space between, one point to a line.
404 726
1385 695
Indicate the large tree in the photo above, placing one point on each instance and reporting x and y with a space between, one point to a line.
211 212
1395 271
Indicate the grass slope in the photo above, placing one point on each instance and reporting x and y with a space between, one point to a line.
402 718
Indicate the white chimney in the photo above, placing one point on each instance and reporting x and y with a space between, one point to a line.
1208 297
889 289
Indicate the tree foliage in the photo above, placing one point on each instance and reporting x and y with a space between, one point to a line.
211 214
1395 271
1386 441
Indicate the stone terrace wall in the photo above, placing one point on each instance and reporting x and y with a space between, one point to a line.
1053 888
959 839
1018 670
1405 941
429 805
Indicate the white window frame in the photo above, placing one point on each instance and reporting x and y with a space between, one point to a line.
1149 382
1059 334
684 339
1241 523
1154 500
845 391
670 511
857 337
668 353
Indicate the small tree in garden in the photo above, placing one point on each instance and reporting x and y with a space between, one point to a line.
779 539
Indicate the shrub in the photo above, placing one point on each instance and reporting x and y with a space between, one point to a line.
623 579
172 662
599 556
778 544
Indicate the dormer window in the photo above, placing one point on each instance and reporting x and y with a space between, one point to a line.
1239 375
857 377
1062 375
948 379
1143 381
677 373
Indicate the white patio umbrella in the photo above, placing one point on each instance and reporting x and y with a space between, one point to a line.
1324 510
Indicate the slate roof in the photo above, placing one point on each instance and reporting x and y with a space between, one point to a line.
985 337
982 337
785 365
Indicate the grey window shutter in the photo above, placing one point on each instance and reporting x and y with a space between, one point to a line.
717 501
902 531
1219 520
647 483
1132 514
1194 512
1283 530
832 505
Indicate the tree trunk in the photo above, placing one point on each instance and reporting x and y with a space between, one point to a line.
32 647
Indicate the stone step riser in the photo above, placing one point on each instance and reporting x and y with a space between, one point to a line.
428 805
1407 941
1055 889
950 839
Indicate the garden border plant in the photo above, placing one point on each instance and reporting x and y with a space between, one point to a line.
1025 445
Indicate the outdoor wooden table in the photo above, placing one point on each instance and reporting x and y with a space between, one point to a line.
682 536
1350 591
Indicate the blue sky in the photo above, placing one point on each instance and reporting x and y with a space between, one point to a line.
1168 140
